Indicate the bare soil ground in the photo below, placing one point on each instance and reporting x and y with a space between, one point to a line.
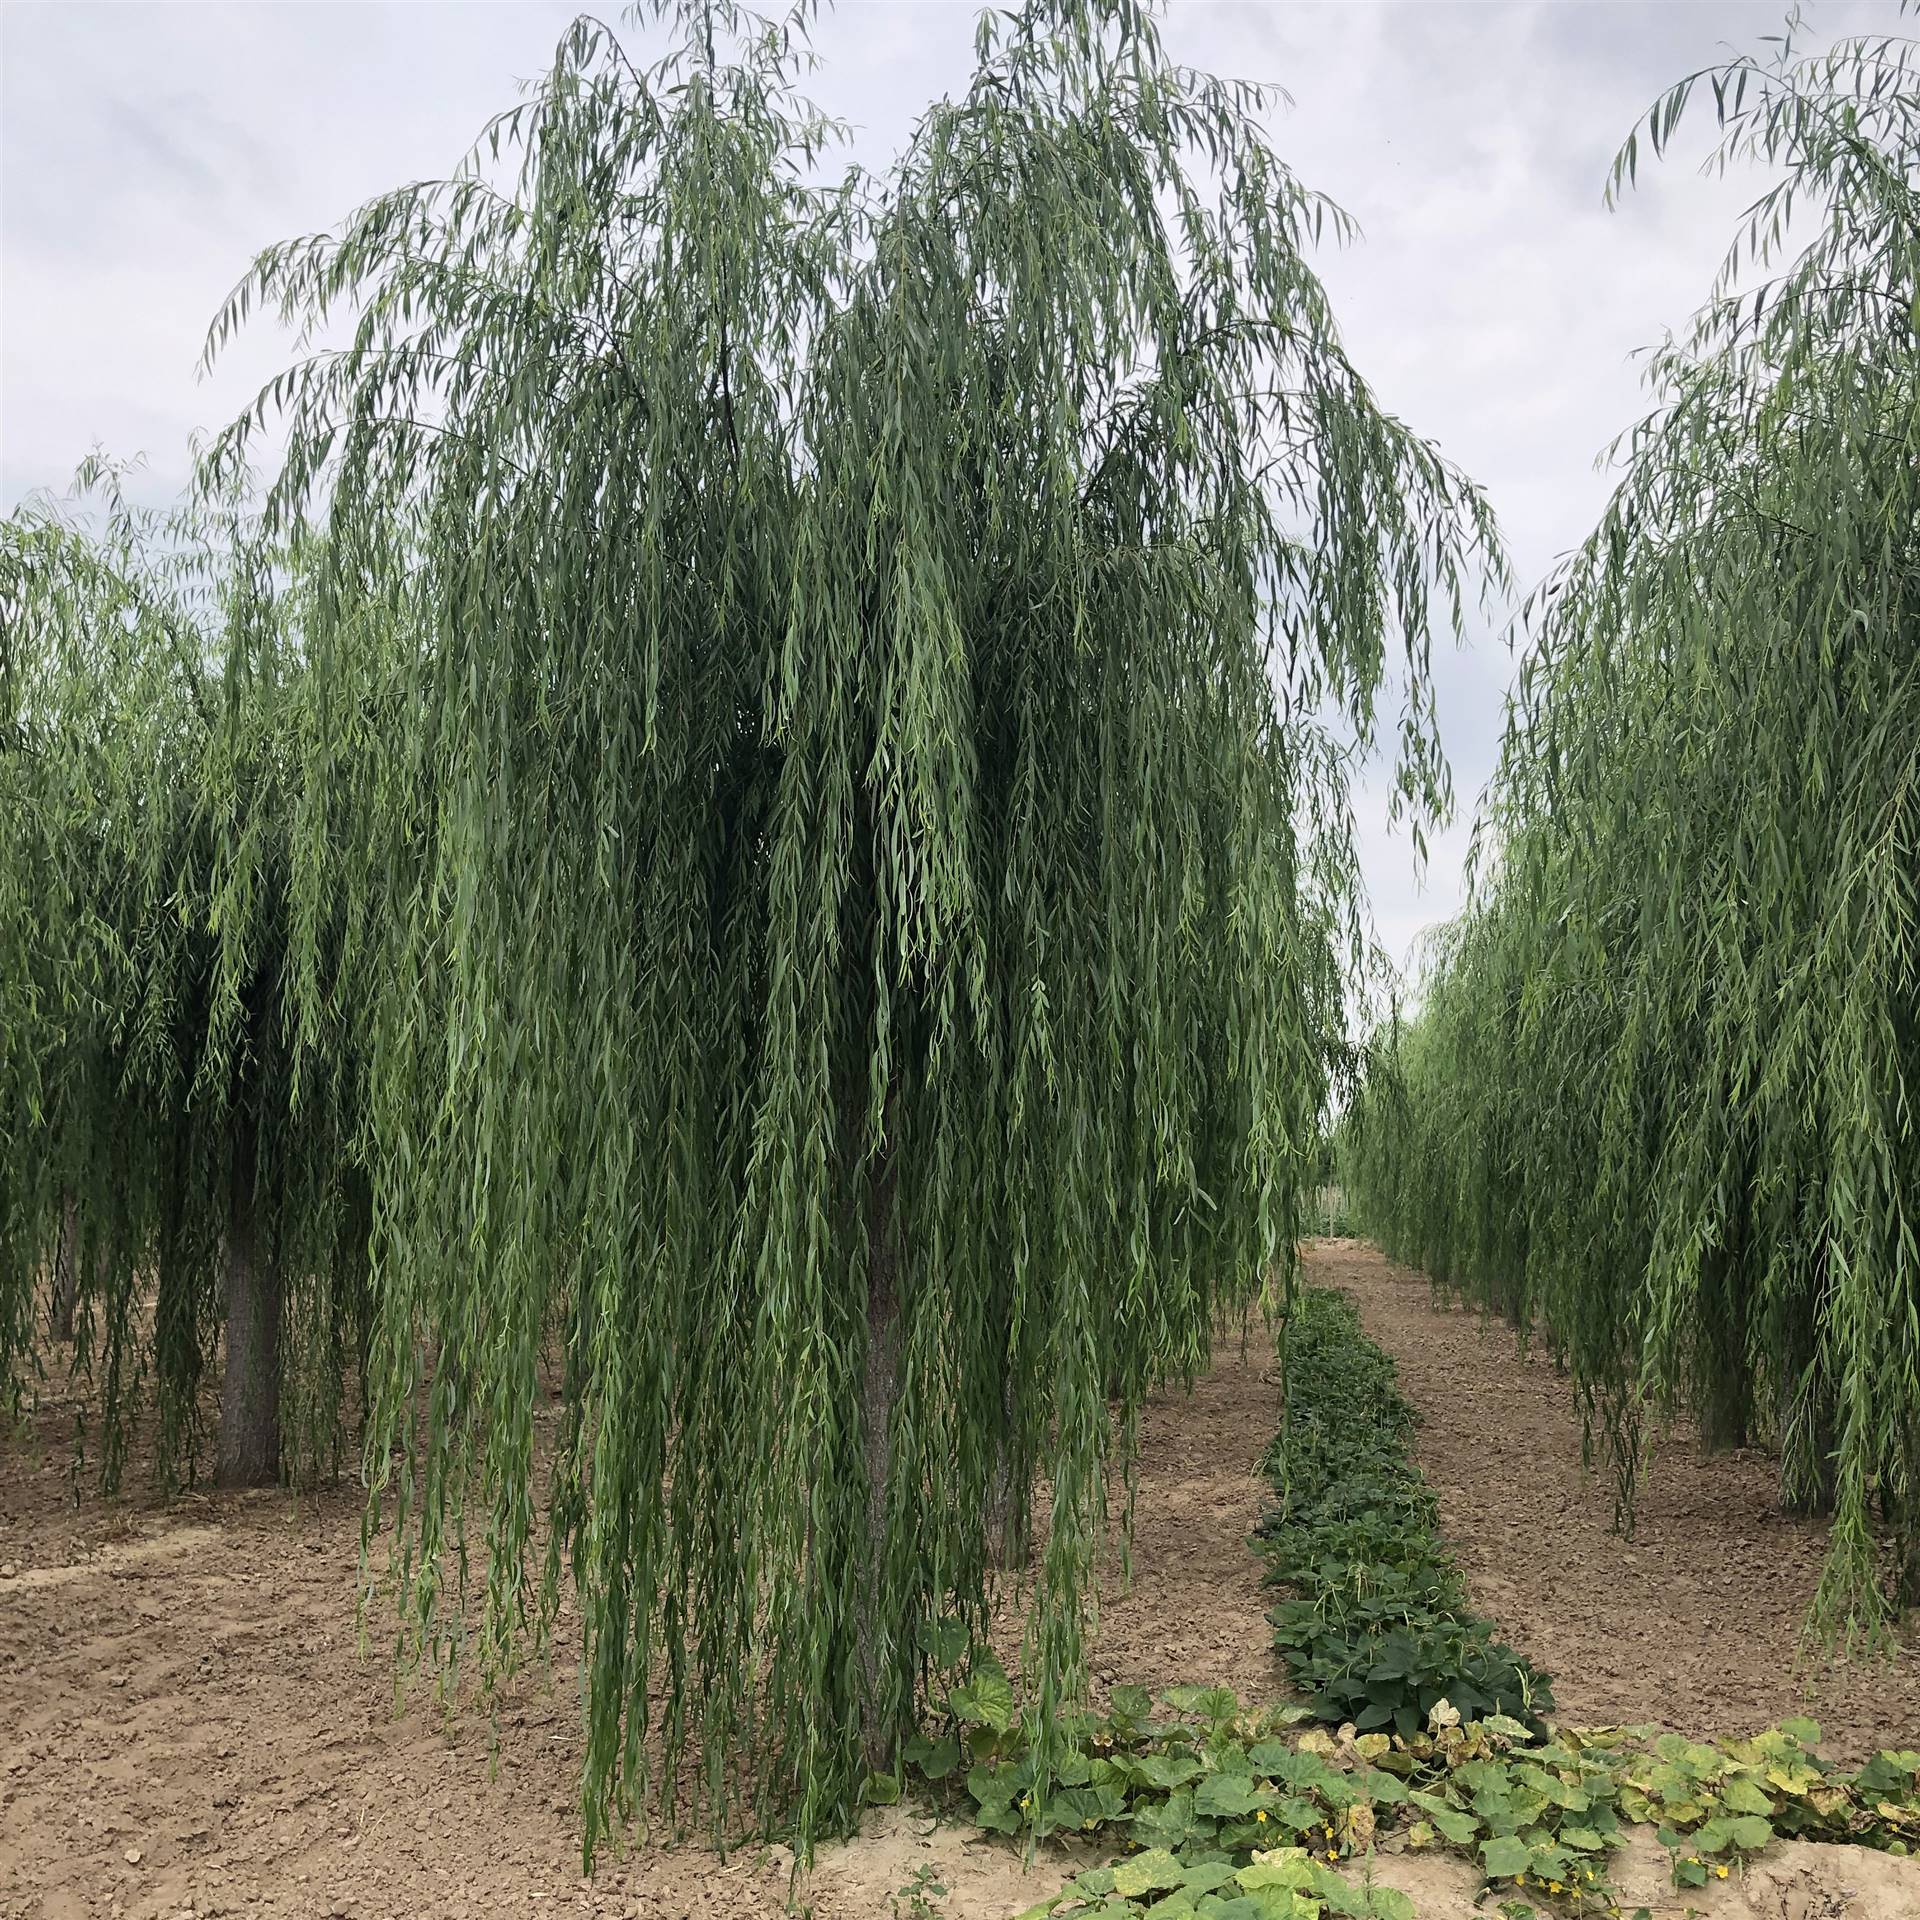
186 1725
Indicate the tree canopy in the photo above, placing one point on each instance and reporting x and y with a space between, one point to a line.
1659 1096
854 869
153 1145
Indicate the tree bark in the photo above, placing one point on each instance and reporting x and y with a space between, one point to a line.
66 1270
1906 1566
1726 1415
879 1390
1904 1522
250 1389
1806 1403
1009 1516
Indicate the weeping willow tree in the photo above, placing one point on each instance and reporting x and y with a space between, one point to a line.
1659 1096
859 863
151 1163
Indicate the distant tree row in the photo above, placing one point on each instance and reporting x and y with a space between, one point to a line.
165 1169
1659 1098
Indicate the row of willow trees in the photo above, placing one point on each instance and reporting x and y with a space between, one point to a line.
169 1168
750 837
1659 1097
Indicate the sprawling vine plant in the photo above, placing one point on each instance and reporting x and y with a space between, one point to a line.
1659 1095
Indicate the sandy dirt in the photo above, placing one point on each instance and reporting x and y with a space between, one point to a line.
185 1720
186 1725
1794 1881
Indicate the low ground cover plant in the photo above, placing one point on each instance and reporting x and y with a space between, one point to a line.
1379 1630
1231 1813
1418 1729
1226 1812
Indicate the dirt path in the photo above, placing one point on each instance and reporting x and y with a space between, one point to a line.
186 1726
1195 1610
1693 1623
185 1721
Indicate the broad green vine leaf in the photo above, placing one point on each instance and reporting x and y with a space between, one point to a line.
1231 1794
943 1640
985 1700
1278 1867
1505 1856
1153 1871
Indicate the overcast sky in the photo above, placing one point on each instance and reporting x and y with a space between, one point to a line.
148 150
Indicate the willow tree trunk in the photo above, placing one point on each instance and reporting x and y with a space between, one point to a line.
1904 1519
1726 1310
250 1389
879 1390
1809 1420
1009 1517
66 1270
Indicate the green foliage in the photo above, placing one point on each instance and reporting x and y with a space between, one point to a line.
1657 1104
151 715
1381 1632
919 1897
857 872
1230 1808
1228 1814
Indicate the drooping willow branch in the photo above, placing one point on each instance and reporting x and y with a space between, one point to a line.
1659 1097
159 1164
850 908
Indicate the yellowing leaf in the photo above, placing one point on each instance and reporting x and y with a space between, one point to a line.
1151 1872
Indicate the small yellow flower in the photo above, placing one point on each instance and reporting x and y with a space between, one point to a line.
1553 1886
1721 1871
1261 1815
